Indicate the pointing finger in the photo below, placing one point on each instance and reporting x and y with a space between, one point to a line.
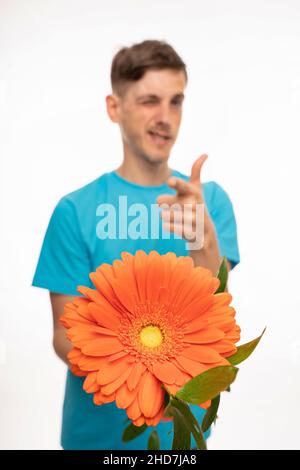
196 170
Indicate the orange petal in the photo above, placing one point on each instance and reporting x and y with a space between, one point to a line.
198 285
155 276
72 317
77 330
183 378
124 396
113 386
196 308
140 261
223 322
201 354
133 410
221 299
150 396
139 422
206 335
191 367
136 373
81 336
124 272
234 334
105 314
124 295
99 398
181 272
90 384
116 356
82 307
169 262
91 363
102 279
224 347
166 372
76 371
90 294
172 389
205 405
156 419
74 355
195 325
104 346
110 371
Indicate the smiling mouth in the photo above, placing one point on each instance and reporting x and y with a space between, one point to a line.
159 138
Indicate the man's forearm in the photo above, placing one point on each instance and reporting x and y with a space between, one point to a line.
61 345
208 256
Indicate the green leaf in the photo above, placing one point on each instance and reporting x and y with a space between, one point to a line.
153 441
166 399
207 385
222 275
211 414
188 420
182 435
244 351
132 431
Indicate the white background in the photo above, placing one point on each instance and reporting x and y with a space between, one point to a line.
242 108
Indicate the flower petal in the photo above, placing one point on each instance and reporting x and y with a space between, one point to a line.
90 384
190 366
203 354
90 364
166 372
105 314
196 309
124 396
99 398
150 396
155 276
104 346
156 419
206 335
110 371
135 376
124 295
133 410
140 262
113 386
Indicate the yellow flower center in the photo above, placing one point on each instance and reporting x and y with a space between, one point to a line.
151 336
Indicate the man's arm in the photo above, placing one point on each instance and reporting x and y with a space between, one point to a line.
61 344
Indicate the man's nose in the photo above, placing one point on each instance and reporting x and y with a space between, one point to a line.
163 114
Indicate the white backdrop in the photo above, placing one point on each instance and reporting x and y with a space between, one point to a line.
242 109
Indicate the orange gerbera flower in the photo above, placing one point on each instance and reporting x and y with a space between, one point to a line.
153 320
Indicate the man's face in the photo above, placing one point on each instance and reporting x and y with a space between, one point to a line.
150 112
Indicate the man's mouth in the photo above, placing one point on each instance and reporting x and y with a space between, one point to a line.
159 137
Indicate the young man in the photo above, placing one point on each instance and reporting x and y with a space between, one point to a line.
148 82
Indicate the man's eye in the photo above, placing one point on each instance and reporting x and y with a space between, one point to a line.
177 103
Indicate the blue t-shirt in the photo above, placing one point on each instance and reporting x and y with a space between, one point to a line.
88 227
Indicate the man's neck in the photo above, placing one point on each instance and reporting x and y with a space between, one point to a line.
144 173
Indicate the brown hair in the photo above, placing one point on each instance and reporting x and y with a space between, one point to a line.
131 63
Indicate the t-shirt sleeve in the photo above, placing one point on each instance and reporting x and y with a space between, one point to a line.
64 262
225 224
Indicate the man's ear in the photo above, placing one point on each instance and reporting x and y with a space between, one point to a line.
112 107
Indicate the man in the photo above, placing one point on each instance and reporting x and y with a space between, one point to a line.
148 82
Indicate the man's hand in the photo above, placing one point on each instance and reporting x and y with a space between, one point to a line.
182 217
186 223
